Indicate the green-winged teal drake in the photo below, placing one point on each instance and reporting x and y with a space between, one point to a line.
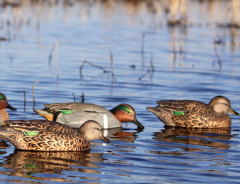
75 114
42 135
190 113
3 105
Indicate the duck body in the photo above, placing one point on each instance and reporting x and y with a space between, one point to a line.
75 114
42 135
190 113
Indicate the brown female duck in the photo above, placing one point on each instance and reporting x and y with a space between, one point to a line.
190 113
42 135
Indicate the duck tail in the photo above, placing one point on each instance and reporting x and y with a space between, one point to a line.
45 114
152 109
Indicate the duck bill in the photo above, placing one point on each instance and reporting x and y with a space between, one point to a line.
105 139
11 108
136 122
231 111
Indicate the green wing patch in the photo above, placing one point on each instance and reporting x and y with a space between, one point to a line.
66 112
178 112
32 133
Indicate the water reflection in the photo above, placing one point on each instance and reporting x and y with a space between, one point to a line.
123 135
139 33
204 137
30 163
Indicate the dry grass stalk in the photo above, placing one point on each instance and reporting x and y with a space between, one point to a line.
112 66
25 102
83 96
33 92
50 55
74 99
142 44
218 58
150 69
81 67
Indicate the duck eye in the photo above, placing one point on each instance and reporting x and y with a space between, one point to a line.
128 111
2 98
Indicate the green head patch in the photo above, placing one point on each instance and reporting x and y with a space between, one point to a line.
2 97
123 108
32 133
178 112
66 112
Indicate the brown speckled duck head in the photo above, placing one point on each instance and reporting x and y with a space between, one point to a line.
91 130
126 113
221 104
4 103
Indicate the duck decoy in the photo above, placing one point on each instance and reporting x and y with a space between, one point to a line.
42 135
75 114
3 105
190 113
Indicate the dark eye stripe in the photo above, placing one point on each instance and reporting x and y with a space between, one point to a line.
226 104
98 129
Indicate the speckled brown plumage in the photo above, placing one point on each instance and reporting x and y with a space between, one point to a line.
195 113
4 116
51 136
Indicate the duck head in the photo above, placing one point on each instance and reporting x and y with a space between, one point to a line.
4 103
221 104
126 113
91 130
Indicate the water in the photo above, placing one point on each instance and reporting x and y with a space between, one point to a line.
185 65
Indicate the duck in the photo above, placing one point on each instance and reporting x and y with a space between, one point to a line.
3 105
43 135
191 113
74 114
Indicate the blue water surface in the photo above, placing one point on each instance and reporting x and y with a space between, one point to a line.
48 41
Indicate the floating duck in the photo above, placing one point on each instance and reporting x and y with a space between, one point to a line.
75 114
3 105
42 135
190 113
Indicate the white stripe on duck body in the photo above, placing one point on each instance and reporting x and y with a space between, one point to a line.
75 114
43 135
191 113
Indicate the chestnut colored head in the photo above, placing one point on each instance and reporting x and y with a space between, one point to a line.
126 113
4 103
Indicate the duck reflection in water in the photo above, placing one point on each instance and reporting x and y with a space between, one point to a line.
122 134
29 163
211 137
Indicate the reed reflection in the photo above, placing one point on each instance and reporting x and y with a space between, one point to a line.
202 137
29 163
